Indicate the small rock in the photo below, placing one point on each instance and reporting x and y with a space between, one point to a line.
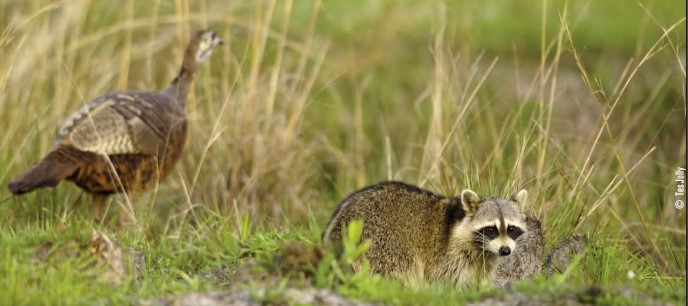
112 254
562 253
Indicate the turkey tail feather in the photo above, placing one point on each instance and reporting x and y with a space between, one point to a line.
48 172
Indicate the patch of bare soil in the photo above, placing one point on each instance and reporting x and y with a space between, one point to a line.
287 296
586 296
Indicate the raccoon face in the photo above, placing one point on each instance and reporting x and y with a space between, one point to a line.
492 225
498 238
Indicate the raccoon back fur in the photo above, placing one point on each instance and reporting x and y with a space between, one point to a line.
434 237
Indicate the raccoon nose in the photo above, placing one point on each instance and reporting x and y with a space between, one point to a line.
504 251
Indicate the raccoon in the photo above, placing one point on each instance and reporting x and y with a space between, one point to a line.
419 234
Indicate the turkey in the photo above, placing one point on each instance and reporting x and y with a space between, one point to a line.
122 141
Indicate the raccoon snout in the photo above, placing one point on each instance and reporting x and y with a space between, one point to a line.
504 251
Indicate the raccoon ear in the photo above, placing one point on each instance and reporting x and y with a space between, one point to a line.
520 197
470 200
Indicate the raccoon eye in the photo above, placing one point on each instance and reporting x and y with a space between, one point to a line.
490 231
513 232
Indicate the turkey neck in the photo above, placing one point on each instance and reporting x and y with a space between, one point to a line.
179 88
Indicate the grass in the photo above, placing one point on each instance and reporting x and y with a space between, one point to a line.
308 101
